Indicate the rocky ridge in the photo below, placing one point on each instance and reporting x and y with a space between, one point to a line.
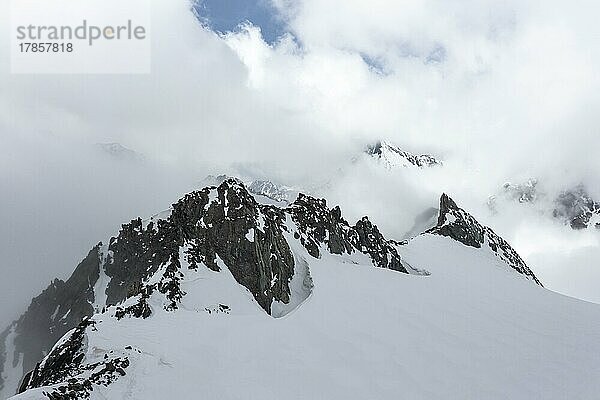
206 227
216 227
456 223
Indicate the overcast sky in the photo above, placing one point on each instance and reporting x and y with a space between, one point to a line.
501 90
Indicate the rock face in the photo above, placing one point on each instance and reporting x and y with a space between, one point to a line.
65 367
392 156
459 225
211 227
319 226
54 312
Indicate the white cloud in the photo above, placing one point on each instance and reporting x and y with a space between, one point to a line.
512 95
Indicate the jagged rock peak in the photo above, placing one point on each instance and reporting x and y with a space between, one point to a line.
319 226
392 156
66 371
456 223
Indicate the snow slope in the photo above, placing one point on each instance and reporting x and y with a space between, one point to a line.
473 329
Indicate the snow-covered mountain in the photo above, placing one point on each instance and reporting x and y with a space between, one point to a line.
391 156
224 297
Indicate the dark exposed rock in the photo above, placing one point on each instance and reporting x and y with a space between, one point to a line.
210 228
55 311
459 225
65 366
138 252
220 308
229 227
372 242
57 365
318 225
140 309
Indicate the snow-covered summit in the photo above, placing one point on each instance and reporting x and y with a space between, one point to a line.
232 298
392 156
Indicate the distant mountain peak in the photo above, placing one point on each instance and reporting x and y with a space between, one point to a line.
391 156
119 152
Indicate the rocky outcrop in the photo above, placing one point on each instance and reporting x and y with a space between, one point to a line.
66 367
223 223
319 226
54 312
226 223
456 223
382 252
